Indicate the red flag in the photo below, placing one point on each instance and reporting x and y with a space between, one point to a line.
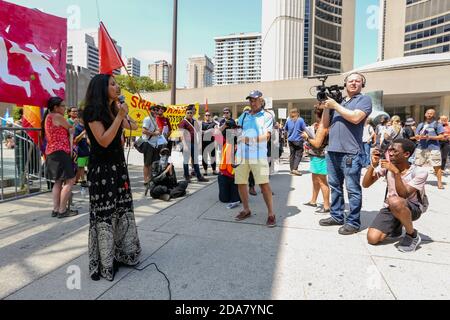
110 59
206 106
33 49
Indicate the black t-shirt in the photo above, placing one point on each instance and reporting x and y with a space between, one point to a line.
408 133
114 153
207 128
83 146
225 131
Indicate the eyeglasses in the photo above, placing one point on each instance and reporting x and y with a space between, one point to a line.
207 115
226 112
189 113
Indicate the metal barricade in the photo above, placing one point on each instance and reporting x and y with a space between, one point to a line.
21 164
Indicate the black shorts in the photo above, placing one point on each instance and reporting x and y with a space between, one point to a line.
151 154
387 223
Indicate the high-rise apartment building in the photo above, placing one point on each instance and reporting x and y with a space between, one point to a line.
200 72
414 27
160 71
307 37
82 51
133 67
237 59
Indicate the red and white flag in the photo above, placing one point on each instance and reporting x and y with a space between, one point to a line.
33 49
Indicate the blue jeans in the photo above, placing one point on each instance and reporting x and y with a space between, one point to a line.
367 156
339 170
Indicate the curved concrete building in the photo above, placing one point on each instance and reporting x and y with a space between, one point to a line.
333 36
306 37
282 39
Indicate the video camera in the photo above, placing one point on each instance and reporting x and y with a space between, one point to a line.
324 92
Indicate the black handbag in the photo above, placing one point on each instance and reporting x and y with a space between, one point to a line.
141 145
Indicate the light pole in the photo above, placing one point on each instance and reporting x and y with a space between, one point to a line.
173 99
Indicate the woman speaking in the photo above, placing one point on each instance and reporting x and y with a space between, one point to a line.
113 238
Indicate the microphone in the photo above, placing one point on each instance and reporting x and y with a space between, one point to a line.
122 99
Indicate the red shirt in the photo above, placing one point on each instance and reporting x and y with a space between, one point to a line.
57 137
447 132
163 122
189 126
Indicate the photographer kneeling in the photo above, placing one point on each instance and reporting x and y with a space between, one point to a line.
405 195
164 184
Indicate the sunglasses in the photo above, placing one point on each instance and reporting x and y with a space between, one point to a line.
207 115
189 113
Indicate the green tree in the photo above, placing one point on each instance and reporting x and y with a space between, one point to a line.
17 113
139 84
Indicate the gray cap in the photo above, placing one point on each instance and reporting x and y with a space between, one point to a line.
254 95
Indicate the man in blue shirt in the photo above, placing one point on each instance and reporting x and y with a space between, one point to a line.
345 153
294 127
251 155
429 134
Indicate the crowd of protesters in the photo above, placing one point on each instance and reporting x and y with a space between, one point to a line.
87 147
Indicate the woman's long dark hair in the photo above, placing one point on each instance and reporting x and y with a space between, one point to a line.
51 105
97 107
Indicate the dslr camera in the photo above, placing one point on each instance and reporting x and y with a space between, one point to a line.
324 92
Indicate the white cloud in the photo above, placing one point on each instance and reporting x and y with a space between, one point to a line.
150 56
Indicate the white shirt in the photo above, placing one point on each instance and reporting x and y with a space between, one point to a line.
150 124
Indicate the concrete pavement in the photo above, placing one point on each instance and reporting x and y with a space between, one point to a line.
207 255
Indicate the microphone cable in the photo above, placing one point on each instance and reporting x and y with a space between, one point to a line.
165 276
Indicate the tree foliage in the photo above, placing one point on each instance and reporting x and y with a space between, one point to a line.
139 84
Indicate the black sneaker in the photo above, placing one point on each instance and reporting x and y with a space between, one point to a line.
329 222
54 214
410 243
202 179
67 214
348 230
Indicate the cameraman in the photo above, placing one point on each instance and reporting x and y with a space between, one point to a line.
405 195
345 153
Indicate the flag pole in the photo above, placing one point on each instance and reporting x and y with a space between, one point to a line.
174 53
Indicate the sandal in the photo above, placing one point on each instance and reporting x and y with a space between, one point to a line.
309 204
243 215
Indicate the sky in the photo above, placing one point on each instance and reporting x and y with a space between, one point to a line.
143 28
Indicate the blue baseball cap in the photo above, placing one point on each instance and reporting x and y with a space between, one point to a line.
254 95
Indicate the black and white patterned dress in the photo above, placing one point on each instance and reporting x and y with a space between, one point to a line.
112 232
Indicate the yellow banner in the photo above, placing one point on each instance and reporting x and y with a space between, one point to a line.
140 109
